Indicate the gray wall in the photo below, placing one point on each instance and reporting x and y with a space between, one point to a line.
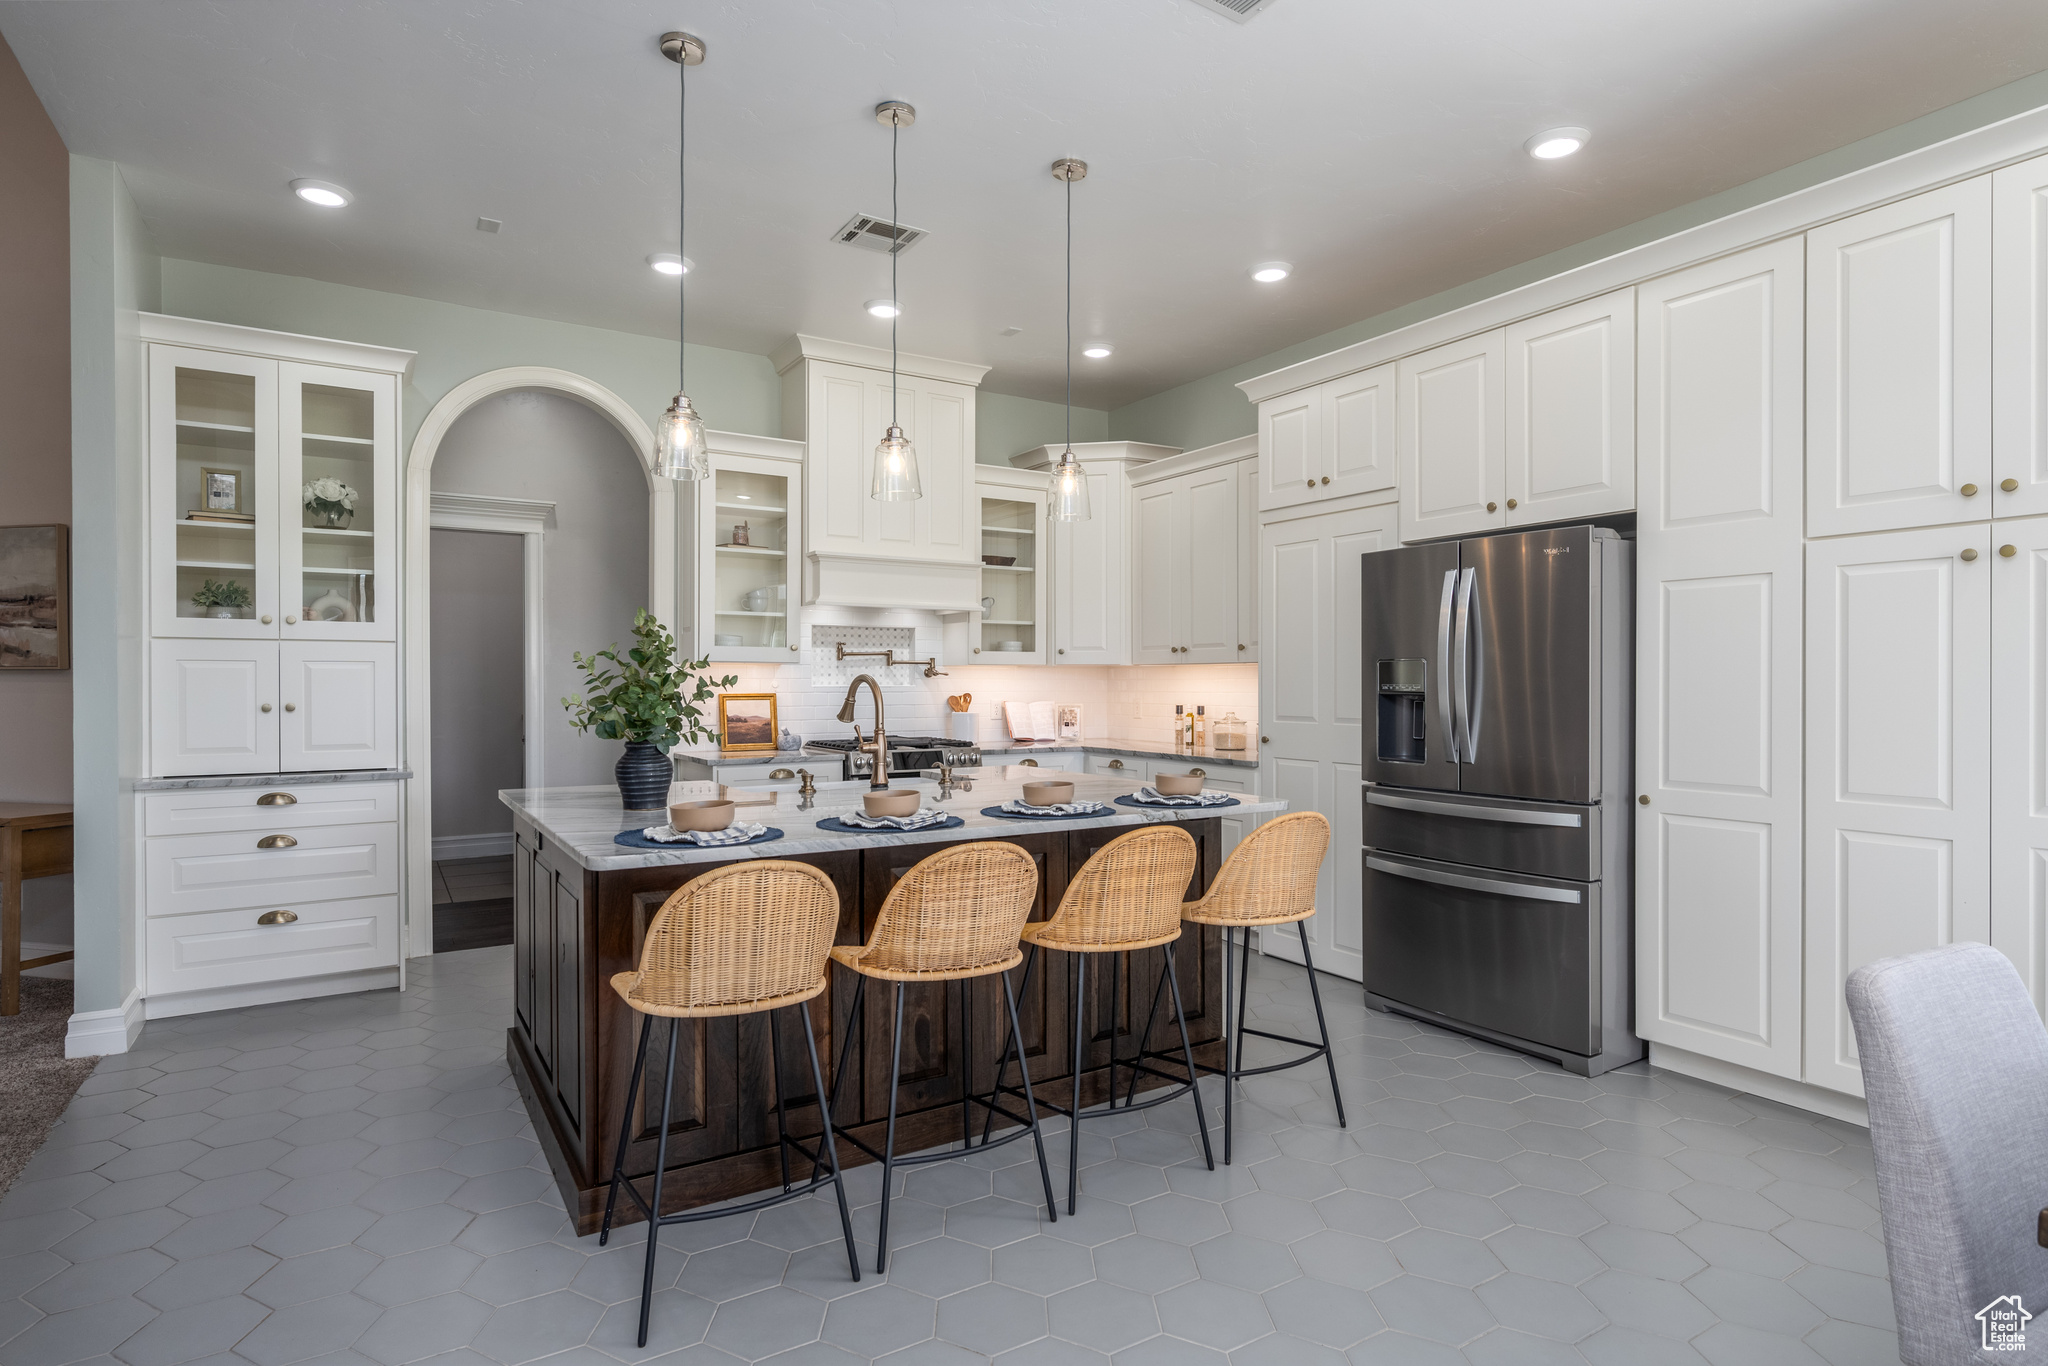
478 598
533 444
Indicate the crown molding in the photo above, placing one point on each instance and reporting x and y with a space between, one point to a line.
801 348
487 512
1202 458
257 341
1092 452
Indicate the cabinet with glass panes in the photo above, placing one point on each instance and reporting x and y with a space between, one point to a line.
1012 624
747 536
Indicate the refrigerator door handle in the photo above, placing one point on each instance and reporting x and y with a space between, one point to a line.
1526 891
1465 740
1443 665
1568 819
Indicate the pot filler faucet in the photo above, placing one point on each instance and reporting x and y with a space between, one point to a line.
878 774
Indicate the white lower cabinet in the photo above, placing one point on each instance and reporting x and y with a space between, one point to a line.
2019 754
1116 766
1898 762
339 705
213 706
234 949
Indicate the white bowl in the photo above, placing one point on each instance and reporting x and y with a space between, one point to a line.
728 639
1009 645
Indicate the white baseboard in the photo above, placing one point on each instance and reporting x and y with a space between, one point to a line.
472 846
1799 1094
267 993
96 1033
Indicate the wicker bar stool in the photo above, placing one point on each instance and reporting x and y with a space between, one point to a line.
741 940
954 917
1269 879
1127 896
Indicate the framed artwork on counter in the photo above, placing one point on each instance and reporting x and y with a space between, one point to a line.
746 722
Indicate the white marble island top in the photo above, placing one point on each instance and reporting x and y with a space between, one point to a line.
582 821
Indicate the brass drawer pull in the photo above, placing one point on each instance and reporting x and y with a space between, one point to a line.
277 799
1028 763
1116 763
277 918
276 842
1197 773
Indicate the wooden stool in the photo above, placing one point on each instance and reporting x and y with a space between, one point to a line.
1128 896
739 940
1269 879
35 841
952 918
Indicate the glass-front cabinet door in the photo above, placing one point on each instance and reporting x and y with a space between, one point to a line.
215 416
749 536
1012 596
338 504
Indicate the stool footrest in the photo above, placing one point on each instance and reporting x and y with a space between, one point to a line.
1315 1050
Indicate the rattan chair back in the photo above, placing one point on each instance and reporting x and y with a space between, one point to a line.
750 937
956 914
1128 896
1270 878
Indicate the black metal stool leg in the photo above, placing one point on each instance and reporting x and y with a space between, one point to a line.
988 1122
1145 1038
1315 993
1188 1051
1116 978
856 1021
1074 1117
1232 1049
1052 1207
966 1071
668 1078
889 1144
781 1116
829 1145
611 1199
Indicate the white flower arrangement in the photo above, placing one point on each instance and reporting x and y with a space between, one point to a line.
329 491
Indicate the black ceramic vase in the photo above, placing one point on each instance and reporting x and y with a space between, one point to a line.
643 773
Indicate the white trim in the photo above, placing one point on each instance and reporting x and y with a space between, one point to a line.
472 846
833 579
96 1033
485 512
1799 1094
269 993
416 729
760 447
1969 154
802 348
1088 452
1205 458
1009 479
257 341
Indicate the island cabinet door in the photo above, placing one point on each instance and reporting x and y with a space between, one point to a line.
567 889
522 928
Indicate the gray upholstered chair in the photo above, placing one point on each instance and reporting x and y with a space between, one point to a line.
1955 1065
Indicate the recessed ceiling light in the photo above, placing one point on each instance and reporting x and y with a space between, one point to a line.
321 192
1097 350
1271 272
668 263
1552 143
883 308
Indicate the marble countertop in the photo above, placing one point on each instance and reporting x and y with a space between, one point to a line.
1248 757
219 780
583 820
712 755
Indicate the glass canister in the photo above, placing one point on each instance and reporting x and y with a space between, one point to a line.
1228 732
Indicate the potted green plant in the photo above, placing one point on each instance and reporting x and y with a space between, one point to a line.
222 599
648 699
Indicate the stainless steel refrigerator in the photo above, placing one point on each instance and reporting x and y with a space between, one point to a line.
1498 678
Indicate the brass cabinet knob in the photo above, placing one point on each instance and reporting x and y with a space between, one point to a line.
1197 773
1513 504
266 706
2009 485
1968 490
1062 651
1311 483
291 706
1969 554
792 649
279 917
277 799
1493 507
1240 647
291 620
1644 799
276 842
1326 479
265 618
2008 551
977 649
1265 739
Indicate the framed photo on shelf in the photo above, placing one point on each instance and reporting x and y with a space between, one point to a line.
35 597
220 490
746 721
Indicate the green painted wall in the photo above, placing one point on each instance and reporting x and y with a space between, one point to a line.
735 391
1211 409
1005 425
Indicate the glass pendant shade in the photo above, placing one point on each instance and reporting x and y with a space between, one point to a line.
679 451
895 478
1069 494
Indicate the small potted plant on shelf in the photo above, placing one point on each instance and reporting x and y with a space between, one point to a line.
649 699
329 503
222 600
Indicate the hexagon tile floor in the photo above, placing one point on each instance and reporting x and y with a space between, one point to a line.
353 1182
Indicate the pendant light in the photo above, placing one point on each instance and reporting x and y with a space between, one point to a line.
895 478
679 451
1067 498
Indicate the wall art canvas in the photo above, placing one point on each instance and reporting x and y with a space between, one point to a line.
35 597
746 720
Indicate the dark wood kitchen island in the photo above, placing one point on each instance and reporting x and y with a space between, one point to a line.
581 907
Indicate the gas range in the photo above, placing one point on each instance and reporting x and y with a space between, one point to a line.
909 755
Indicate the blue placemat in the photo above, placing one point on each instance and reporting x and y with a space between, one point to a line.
1130 799
997 811
839 827
633 839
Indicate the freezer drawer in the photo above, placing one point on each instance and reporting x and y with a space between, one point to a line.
1512 954
1548 839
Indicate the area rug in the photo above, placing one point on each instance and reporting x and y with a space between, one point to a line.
35 1076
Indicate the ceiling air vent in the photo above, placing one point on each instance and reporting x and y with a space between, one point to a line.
1240 10
876 234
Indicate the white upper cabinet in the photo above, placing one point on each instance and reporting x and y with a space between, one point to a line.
1092 592
1159 552
1188 599
1331 441
337 561
1571 438
2019 759
215 494
740 566
1453 438
921 553
1898 760
1011 627
2019 327
1718 649
1898 377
